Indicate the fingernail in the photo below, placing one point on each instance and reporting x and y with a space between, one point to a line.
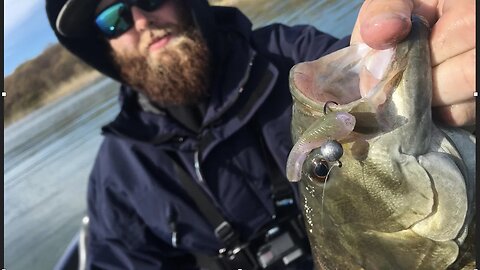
387 18
385 30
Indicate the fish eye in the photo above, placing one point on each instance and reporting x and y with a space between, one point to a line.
319 170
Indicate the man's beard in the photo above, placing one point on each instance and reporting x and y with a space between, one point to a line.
176 75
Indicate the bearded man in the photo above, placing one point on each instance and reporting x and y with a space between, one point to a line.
187 174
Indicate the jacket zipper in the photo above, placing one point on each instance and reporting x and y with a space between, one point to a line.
196 155
197 167
172 223
242 83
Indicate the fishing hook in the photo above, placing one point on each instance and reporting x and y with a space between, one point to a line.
326 106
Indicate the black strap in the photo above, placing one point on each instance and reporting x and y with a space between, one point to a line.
223 230
282 195
282 191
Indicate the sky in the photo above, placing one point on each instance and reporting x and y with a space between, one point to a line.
26 32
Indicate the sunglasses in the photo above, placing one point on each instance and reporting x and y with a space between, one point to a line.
116 19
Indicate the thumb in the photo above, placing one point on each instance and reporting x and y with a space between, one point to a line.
382 23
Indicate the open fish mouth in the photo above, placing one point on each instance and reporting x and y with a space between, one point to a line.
403 197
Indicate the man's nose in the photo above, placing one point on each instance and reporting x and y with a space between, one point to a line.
140 18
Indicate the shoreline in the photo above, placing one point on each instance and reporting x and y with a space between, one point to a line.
224 2
65 89
72 86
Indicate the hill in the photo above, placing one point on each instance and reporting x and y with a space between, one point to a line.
52 74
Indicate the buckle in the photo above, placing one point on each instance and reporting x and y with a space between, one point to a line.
224 232
284 202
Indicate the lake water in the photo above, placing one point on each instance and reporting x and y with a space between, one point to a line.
49 154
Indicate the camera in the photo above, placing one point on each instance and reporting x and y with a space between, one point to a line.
275 247
281 248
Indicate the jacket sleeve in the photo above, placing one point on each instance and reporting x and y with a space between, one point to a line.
300 43
119 239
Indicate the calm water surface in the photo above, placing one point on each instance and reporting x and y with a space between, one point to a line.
49 154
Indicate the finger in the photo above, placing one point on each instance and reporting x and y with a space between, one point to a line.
383 23
462 114
429 9
454 32
454 80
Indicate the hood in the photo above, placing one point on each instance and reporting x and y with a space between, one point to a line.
240 87
94 50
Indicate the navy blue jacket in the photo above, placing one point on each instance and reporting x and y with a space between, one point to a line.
134 195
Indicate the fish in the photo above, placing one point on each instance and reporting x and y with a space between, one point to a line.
383 185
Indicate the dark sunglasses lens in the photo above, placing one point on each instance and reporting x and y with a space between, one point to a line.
114 20
149 5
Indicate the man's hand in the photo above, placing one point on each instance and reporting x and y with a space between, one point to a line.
383 23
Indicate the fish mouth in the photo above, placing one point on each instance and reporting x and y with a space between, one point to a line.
378 87
344 77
